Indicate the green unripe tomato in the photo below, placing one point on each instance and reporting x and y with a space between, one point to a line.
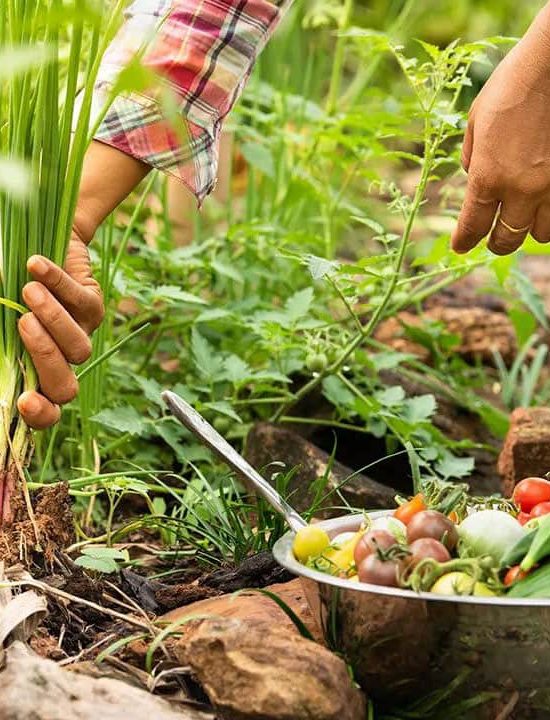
316 362
310 541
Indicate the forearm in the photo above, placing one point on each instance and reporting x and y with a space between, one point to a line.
108 177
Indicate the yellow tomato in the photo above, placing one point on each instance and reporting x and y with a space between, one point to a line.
341 558
309 542
460 583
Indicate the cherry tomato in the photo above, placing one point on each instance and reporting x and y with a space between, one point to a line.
453 517
523 518
371 542
428 548
513 575
531 492
408 510
309 542
432 524
379 572
541 509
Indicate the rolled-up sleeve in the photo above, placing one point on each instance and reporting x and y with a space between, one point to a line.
201 53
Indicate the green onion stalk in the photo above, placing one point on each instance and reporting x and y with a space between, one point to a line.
50 52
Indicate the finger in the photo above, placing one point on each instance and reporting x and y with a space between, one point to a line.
57 381
519 217
83 302
541 227
38 412
467 146
69 337
476 218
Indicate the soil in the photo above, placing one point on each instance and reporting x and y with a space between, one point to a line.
35 543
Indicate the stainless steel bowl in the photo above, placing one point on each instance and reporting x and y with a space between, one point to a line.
403 644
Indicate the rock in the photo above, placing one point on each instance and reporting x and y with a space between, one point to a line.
268 443
526 450
480 333
255 606
32 688
259 671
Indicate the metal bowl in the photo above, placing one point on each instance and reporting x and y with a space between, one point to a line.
403 644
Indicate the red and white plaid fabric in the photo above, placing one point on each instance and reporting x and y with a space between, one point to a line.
202 51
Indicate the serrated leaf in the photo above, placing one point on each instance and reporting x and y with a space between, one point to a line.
102 565
174 293
299 304
207 362
389 360
236 370
320 268
223 408
124 419
419 408
451 466
151 389
391 396
106 552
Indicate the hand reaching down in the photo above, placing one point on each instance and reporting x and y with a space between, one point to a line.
66 306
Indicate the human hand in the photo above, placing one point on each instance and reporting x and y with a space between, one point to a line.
66 307
506 150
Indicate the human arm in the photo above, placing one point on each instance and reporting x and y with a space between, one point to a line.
506 150
201 55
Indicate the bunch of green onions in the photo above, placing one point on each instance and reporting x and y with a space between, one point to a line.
43 139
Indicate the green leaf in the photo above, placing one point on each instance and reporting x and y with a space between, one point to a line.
419 408
337 393
151 389
320 268
207 362
529 296
451 466
223 408
227 270
525 324
389 360
174 293
236 370
106 552
391 396
259 157
102 565
125 419
299 304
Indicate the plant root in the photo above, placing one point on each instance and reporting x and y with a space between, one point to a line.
53 523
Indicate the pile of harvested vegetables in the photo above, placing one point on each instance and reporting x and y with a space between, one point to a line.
447 542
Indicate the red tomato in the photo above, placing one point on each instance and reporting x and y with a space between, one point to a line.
523 518
531 492
513 575
409 509
541 509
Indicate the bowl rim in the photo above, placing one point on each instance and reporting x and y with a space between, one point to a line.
282 551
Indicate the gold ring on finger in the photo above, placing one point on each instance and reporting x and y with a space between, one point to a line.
516 231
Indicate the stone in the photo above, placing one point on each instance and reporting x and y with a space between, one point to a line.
526 450
254 670
267 443
32 687
481 333
255 606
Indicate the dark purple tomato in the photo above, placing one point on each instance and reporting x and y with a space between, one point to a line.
425 548
379 572
371 542
433 524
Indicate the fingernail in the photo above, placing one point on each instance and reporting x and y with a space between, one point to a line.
34 294
37 265
29 402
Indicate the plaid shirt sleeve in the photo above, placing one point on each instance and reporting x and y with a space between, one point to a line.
202 52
